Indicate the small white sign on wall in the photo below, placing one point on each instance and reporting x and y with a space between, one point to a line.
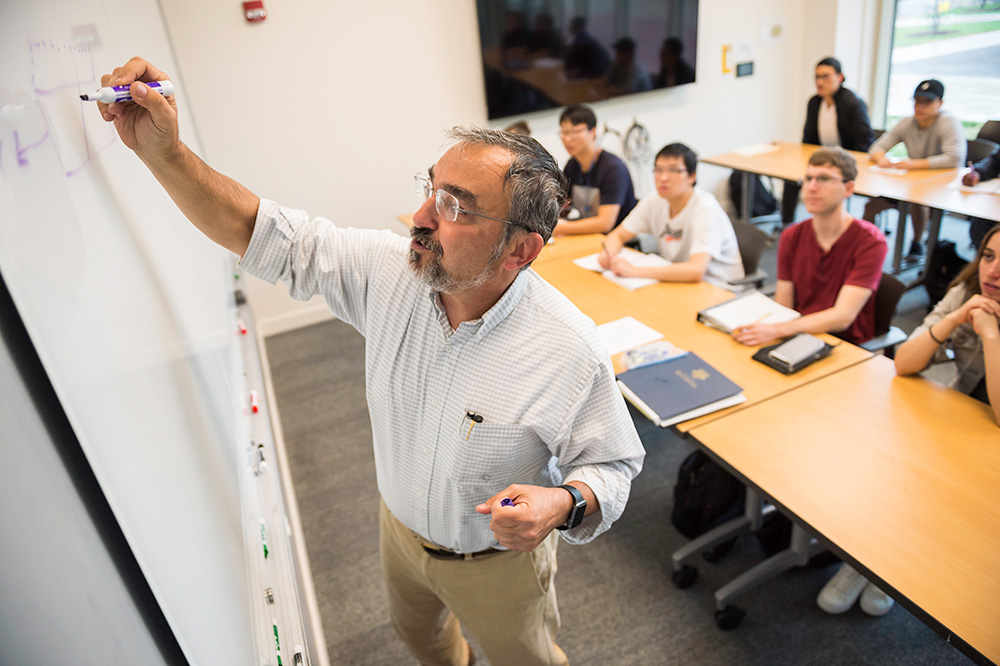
772 31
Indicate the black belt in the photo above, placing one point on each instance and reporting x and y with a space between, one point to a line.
442 554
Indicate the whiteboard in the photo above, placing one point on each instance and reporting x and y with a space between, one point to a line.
130 309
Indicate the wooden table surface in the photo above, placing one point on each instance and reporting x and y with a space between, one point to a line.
900 473
926 187
672 309
790 160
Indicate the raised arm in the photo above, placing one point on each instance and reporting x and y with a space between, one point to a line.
220 207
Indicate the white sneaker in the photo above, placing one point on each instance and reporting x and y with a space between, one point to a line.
875 602
838 595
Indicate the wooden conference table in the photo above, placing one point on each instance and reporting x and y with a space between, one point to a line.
672 309
900 474
926 187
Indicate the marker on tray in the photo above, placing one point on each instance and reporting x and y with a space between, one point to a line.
263 537
242 326
254 405
109 94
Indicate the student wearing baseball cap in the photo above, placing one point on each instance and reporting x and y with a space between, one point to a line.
933 139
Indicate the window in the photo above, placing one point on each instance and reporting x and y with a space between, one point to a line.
954 41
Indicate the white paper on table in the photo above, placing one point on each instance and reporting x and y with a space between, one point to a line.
757 149
982 187
635 258
889 171
626 333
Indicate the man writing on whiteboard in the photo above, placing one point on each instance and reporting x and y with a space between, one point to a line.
829 265
481 450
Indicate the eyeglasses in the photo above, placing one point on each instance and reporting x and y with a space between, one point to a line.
671 170
565 134
446 204
822 77
822 179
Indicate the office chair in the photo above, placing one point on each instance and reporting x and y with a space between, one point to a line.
751 241
990 131
980 149
890 290
877 133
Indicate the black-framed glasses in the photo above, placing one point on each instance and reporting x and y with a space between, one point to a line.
670 170
446 204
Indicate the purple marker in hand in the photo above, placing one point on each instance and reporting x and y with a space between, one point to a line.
506 501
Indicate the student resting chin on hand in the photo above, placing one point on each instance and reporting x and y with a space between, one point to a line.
965 321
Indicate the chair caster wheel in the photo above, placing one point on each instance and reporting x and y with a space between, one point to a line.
729 617
686 577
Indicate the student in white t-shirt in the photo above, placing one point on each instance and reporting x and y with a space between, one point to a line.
692 230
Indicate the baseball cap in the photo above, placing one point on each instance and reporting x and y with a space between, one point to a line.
931 89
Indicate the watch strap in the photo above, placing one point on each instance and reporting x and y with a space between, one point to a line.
576 513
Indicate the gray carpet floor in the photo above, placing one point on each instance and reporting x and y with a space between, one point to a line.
617 600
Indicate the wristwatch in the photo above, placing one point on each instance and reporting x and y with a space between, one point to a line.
576 513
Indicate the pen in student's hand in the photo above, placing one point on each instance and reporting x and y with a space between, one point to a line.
759 319
110 94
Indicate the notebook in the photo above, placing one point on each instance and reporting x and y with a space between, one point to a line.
747 308
635 258
678 389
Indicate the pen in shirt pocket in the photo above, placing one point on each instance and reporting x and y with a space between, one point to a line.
473 420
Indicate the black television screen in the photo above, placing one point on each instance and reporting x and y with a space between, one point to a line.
543 54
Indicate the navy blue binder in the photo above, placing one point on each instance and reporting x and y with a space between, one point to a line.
679 389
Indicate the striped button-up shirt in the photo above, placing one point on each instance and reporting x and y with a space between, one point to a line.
533 367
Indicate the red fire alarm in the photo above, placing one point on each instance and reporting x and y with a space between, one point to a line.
254 11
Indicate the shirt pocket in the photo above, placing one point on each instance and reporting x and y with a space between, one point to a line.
497 454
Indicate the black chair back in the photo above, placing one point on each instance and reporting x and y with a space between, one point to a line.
980 149
890 290
990 131
751 241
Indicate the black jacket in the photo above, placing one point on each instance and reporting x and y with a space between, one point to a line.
988 167
852 121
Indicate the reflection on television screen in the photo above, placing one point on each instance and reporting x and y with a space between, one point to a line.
542 54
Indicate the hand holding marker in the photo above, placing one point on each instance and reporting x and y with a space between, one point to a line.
110 94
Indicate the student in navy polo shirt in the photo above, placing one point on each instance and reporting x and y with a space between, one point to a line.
830 265
601 192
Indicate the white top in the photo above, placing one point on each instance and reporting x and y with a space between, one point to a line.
826 124
533 367
701 227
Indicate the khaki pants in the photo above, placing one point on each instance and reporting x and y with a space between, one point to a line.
507 600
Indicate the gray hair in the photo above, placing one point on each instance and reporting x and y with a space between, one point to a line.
535 185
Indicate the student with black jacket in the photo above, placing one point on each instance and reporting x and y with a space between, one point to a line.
985 169
835 116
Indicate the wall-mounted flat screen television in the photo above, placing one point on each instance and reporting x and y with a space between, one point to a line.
543 54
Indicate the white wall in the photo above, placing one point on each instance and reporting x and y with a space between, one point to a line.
332 106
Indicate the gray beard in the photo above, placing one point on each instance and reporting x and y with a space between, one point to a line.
435 276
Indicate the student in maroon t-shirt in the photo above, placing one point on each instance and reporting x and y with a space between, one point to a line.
830 265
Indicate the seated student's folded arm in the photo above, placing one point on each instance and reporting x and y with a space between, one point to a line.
920 349
883 144
987 327
601 223
850 300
